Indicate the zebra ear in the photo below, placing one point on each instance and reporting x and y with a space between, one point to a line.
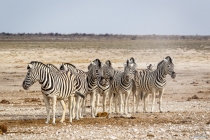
30 66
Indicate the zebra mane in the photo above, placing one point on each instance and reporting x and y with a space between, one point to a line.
51 65
160 63
37 62
70 65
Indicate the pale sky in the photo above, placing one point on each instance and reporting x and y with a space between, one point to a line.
136 17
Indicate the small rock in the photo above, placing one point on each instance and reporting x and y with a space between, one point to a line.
113 137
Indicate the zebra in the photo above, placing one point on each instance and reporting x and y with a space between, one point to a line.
104 84
134 70
150 82
122 84
81 84
94 74
53 68
57 85
135 97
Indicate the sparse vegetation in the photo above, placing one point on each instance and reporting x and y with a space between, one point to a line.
106 41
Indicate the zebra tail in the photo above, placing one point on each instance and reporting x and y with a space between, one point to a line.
81 95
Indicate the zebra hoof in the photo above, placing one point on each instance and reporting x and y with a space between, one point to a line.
161 111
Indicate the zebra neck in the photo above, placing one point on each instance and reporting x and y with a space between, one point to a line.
160 75
124 82
46 80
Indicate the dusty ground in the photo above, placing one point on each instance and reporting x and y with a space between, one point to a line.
185 116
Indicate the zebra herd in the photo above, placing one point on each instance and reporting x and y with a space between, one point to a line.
100 80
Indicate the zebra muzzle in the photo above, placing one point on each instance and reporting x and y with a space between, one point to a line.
24 85
173 75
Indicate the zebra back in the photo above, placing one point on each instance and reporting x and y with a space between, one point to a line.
72 68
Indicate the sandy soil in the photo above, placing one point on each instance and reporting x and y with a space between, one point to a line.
186 101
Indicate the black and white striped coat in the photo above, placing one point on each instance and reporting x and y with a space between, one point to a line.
150 82
122 84
81 85
57 85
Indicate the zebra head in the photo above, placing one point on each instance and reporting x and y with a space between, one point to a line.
132 60
108 70
169 67
128 71
32 75
95 70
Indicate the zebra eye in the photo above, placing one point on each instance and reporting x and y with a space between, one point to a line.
168 66
28 67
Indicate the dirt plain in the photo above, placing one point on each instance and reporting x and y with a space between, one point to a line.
186 101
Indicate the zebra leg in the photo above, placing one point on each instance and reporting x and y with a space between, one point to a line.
82 108
145 102
104 101
134 102
47 104
64 110
93 104
153 101
97 103
137 100
110 102
160 102
120 102
117 103
126 103
77 100
73 107
54 107
71 100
